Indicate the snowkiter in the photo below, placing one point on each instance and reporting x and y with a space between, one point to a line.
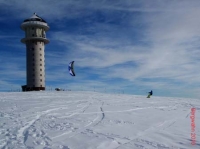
150 94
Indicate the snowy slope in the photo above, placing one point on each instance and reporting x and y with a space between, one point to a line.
89 120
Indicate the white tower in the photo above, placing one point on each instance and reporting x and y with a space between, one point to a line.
35 39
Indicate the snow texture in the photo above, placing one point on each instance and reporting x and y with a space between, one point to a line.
90 120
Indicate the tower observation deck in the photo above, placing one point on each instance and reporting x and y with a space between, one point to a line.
35 39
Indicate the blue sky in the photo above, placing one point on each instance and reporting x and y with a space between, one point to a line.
129 46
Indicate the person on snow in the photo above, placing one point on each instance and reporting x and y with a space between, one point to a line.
150 94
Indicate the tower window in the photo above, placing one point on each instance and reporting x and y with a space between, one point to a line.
40 80
40 49
33 69
32 48
40 74
40 64
32 28
40 59
40 69
40 54
33 34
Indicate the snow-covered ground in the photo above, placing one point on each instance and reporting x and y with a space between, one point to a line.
90 120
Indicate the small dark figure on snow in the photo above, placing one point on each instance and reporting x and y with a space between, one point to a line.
150 94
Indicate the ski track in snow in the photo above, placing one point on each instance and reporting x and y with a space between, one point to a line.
94 123
57 120
103 115
155 128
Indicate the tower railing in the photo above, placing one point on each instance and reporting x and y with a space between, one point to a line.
35 22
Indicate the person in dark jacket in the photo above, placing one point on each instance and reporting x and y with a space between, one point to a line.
150 94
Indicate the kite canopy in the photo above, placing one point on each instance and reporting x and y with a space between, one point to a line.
71 68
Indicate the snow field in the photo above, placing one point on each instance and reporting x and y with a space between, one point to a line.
90 120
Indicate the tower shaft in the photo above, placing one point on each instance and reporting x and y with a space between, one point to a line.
35 40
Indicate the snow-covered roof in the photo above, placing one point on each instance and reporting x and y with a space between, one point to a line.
35 17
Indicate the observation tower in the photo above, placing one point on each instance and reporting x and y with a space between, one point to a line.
35 39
